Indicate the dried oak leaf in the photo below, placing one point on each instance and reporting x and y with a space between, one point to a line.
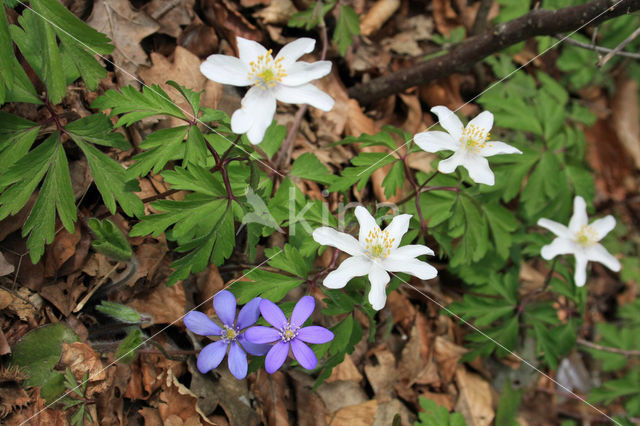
81 358
355 415
6 268
64 295
163 304
178 405
474 398
382 376
344 371
273 394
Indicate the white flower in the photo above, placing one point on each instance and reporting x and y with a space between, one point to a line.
581 240
376 253
470 145
281 79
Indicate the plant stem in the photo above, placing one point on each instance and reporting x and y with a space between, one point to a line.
626 352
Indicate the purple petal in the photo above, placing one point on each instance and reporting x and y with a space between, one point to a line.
276 357
211 356
303 310
249 313
200 324
225 305
253 348
315 334
303 354
260 334
273 314
237 361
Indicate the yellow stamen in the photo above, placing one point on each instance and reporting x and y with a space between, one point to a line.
378 243
266 72
474 138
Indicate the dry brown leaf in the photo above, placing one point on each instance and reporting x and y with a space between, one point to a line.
447 355
415 353
474 400
381 11
163 304
382 376
150 255
346 370
6 268
81 358
355 415
278 12
441 399
22 303
388 410
445 17
171 14
273 393
412 31
310 410
402 310
38 407
151 416
199 39
208 282
428 375
178 401
341 394
64 295
63 247
624 117
223 13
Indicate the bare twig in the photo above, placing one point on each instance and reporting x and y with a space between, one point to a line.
599 49
626 352
618 49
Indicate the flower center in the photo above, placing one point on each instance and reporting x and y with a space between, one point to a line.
586 236
378 243
474 138
229 334
266 71
288 333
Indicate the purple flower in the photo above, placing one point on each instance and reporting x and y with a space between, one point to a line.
288 334
231 336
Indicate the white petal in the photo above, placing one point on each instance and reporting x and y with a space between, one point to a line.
495 148
579 218
294 50
557 246
484 121
603 226
435 141
597 253
304 72
397 228
225 70
557 228
410 251
478 168
378 294
448 165
256 114
305 94
580 274
356 266
344 242
415 267
249 50
449 121
367 223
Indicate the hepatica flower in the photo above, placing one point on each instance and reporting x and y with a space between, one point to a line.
282 78
581 240
288 334
375 253
470 145
231 334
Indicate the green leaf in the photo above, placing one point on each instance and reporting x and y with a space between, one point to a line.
21 90
365 164
475 239
546 345
508 406
347 27
16 138
193 98
126 351
311 17
266 284
97 129
307 166
290 260
86 66
159 148
6 47
109 240
52 71
502 224
394 179
120 312
436 415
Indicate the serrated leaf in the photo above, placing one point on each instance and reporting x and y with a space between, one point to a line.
159 147
85 64
266 284
126 351
109 240
16 138
311 17
22 89
307 166
6 47
120 312
394 179
52 71
364 166
348 26
192 97
97 129
289 260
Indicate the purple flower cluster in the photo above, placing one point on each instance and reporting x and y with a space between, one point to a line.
238 338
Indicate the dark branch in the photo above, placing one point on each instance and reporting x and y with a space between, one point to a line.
538 22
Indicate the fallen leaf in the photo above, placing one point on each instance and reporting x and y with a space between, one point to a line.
21 303
402 310
40 408
624 117
338 395
381 11
346 370
81 358
411 31
441 399
199 39
444 16
474 398
387 411
64 295
355 415
12 396
310 410
151 416
171 15
447 354
62 249
273 394
177 400
277 12
6 268
415 353
382 375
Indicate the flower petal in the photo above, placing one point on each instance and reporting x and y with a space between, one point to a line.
344 242
249 50
237 361
211 356
397 228
449 165
484 121
249 313
315 334
415 267
200 324
253 348
495 148
256 114
580 274
449 120
367 223
260 334
557 228
302 311
291 52
603 226
303 354
276 357
304 94
225 69
597 253
557 247
303 72
579 218
225 305
356 266
478 168
378 294
273 314
434 141
412 250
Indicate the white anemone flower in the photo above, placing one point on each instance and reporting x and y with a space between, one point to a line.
282 78
375 254
470 145
581 240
